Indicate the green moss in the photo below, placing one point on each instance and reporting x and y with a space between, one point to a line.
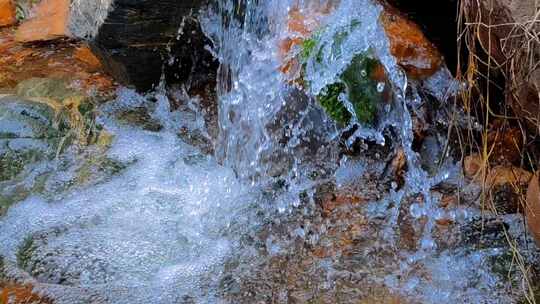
12 163
25 252
357 81
329 100
362 88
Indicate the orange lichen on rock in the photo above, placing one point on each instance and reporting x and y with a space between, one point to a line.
21 294
7 13
50 22
413 51
84 54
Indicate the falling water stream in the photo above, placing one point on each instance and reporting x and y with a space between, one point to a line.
176 225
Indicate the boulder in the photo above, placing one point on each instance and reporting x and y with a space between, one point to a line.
138 41
29 132
50 21
418 56
7 13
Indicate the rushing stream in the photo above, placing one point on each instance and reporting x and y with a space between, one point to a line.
175 225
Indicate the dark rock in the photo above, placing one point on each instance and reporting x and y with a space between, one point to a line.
140 40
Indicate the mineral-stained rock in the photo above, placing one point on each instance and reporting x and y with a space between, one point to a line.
7 13
84 54
50 22
413 51
21 294
138 41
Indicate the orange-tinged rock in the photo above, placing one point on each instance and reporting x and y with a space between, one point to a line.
50 22
21 294
300 25
85 55
7 13
532 209
413 51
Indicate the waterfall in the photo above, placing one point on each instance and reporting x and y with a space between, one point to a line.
313 186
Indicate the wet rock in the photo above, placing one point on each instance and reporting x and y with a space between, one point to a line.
413 51
477 169
7 13
506 145
54 59
51 88
84 54
50 21
197 139
76 107
438 21
139 40
30 131
21 294
484 233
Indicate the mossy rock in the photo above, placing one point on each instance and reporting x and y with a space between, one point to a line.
30 132
362 86
360 91
97 169
53 88
34 130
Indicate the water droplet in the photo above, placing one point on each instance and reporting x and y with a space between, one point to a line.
380 87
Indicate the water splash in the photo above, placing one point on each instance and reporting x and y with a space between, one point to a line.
151 231
177 225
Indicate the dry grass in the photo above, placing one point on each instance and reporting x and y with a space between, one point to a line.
520 47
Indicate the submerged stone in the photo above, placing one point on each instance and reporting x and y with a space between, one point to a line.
53 88
139 116
30 131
